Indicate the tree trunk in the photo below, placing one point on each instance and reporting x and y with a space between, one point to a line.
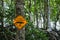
36 13
46 14
20 11
2 13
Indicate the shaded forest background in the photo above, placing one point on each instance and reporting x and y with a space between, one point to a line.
43 17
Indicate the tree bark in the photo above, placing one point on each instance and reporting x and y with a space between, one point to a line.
36 13
2 13
20 11
46 14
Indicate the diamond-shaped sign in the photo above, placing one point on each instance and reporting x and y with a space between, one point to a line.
19 22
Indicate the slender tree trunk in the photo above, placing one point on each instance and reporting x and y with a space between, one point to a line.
2 13
20 11
36 13
49 25
46 14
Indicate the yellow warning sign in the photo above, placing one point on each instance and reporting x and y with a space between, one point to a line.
19 22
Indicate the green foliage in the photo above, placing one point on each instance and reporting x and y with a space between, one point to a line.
33 33
7 32
54 9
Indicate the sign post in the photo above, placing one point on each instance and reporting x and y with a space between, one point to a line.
19 22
